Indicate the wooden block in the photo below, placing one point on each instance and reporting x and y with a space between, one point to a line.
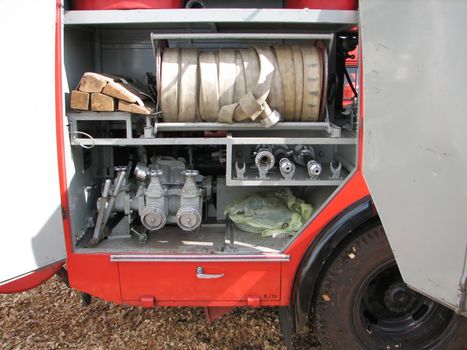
128 92
148 108
102 103
119 91
79 100
93 82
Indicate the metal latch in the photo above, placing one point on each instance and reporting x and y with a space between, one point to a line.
201 275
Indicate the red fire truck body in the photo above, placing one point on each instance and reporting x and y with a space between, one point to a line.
292 277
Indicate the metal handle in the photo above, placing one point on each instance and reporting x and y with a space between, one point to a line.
200 274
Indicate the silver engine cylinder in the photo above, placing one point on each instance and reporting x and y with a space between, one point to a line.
189 215
154 214
166 193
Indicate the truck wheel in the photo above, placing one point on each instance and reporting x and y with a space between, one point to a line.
364 304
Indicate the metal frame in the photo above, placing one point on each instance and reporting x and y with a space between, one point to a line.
240 36
300 16
74 118
334 137
320 132
229 140
199 258
329 128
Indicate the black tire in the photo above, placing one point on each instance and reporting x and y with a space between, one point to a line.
362 303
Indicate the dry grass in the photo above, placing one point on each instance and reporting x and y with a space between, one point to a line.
53 317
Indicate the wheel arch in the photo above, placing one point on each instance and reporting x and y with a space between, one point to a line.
319 253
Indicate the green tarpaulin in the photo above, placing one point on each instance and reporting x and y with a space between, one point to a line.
270 213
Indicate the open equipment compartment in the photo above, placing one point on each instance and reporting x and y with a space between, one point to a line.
175 184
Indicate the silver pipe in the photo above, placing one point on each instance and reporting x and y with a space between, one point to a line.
120 176
100 214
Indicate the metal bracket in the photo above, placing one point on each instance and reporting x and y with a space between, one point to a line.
334 130
335 168
240 171
142 237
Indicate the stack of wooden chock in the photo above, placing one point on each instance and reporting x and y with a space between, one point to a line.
107 93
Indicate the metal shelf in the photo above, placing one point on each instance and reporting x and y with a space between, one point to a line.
329 18
301 178
77 141
242 126
310 133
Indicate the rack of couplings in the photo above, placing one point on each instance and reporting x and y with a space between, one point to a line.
286 159
161 193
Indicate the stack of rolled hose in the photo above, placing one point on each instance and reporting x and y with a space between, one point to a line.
241 85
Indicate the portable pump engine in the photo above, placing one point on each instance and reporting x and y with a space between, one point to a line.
164 191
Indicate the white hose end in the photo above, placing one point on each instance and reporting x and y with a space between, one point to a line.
271 119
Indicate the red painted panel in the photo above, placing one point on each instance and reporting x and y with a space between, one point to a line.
94 274
30 280
125 4
201 303
59 132
168 281
175 284
355 189
350 5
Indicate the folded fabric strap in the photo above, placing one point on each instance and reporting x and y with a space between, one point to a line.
240 80
227 77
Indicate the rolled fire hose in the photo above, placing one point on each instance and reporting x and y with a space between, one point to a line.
312 83
188 86
208 87
298 70
241 85
227 77
286 68
169 84
276 96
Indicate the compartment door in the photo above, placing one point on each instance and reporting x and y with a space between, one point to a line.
415 144
32 228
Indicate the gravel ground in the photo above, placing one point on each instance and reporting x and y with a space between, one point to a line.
53 317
